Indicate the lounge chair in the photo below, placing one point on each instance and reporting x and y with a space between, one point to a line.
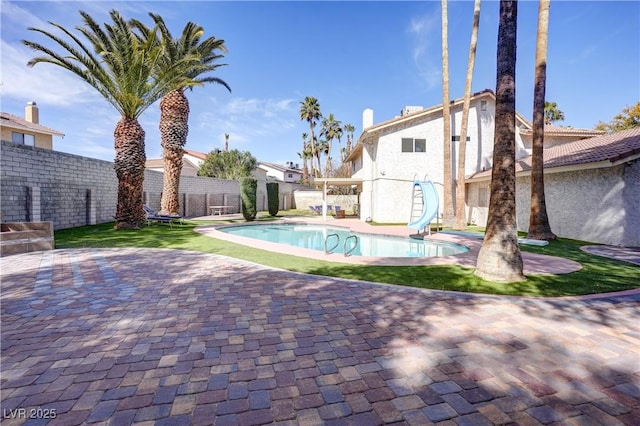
153 216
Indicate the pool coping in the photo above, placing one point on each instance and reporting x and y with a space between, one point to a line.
533 263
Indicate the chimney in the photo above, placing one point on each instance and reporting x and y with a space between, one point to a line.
31 113
367 118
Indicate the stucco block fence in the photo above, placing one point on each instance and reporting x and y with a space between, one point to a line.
70 190
25 237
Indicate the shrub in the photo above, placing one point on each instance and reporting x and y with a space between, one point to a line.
248 194
273 198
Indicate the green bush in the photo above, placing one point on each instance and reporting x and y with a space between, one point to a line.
273 198
248 194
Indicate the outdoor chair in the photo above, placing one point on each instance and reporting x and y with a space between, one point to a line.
153 216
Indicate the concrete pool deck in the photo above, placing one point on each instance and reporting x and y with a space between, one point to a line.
170 337
533 263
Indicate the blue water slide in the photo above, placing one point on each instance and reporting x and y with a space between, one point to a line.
430 204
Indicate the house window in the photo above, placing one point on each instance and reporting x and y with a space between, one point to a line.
414 145
483 105
457 138
23 139
290 175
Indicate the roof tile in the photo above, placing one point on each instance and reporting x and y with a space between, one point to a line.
612 147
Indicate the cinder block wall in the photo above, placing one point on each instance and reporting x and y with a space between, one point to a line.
69 190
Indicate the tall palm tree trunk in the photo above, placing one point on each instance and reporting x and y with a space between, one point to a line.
539 227
447 181
314 153
129 166
174 127
461 211
499 258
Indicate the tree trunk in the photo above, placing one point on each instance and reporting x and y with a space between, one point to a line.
539 228
499 258
314 172
461 211
327 162
447 181
174 127
129 165
170 200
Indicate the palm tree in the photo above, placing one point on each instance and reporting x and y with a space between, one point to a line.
310 111
461 217
174 107
448 213
331 129
551 111
499 258
539 227
124 70
349 128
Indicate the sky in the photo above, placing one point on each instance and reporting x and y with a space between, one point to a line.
349 55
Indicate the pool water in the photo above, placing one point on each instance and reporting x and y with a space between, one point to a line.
314 237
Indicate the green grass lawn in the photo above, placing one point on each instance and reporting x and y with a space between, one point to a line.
598 274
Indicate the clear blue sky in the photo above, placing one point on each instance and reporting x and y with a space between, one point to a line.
349 55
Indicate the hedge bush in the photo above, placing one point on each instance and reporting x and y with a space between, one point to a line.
248 195
273 198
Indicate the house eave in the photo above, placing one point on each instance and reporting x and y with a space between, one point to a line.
565 169
48 132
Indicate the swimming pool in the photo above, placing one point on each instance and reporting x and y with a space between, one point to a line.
337 240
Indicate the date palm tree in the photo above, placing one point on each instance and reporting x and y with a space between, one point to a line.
174 106
539 227
310 111
124 70
461 217
447 181
499 258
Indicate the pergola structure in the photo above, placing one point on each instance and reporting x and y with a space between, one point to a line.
326 182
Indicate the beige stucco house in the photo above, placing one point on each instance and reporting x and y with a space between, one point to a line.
27 130
592 190
388 156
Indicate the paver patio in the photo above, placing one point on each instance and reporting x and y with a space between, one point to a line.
149 336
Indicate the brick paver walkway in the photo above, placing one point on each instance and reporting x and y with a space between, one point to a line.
122 336
627 254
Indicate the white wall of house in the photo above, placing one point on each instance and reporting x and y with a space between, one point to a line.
597 205
195 160
388 173
281 174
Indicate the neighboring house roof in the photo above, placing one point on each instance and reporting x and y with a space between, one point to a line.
15 122
551 130
600 151
158 163
279 167
200 155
